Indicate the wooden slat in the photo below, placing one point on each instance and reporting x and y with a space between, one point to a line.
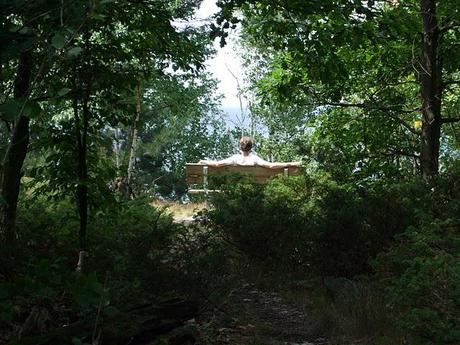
194 172
201 191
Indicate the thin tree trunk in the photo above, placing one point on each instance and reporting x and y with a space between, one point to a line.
431 91
83 175
132 156
81 127
15 155
82 189
2 83
117 149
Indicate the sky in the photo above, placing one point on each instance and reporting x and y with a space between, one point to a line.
226 59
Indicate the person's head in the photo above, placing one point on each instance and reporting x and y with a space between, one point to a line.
246 144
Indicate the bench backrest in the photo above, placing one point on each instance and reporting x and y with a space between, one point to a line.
200 174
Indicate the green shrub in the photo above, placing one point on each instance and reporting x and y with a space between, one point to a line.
310 224
421 270
128 248
422 274
264 225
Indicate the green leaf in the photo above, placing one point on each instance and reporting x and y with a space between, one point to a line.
76 341
14 27
98 16
75 51
25 30
58 41
32 109
64 91
12 108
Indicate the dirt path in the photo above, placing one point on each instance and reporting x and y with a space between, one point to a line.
253 317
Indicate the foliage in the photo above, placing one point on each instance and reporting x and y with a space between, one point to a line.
421 270
139 254
310 224
89 59
316 227
362 59
353 145
181 123
117 88
52 168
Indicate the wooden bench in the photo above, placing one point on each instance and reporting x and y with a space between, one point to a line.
201 174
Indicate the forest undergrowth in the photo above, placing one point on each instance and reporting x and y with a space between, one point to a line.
345 264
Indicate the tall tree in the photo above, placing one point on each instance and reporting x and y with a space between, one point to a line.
26 30
134 134
431 88
16 151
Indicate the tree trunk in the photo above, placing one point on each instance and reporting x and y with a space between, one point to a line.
83 174
82 189
132 156
15 155
81 133
117 149
431 91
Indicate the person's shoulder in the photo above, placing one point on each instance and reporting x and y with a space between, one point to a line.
234 157
230 160
256 156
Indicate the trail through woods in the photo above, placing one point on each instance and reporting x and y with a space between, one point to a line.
250 316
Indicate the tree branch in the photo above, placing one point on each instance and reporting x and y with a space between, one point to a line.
394 153
404 124
448 27
369 107
387 108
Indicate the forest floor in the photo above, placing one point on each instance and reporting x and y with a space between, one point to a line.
261 314
250 316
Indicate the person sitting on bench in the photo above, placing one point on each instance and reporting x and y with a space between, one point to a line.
246 158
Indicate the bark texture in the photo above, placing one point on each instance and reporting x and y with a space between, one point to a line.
132 155
16 153
431 90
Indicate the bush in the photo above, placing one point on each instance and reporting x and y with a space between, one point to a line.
310 224
422 270
134 241
422 275
128 250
